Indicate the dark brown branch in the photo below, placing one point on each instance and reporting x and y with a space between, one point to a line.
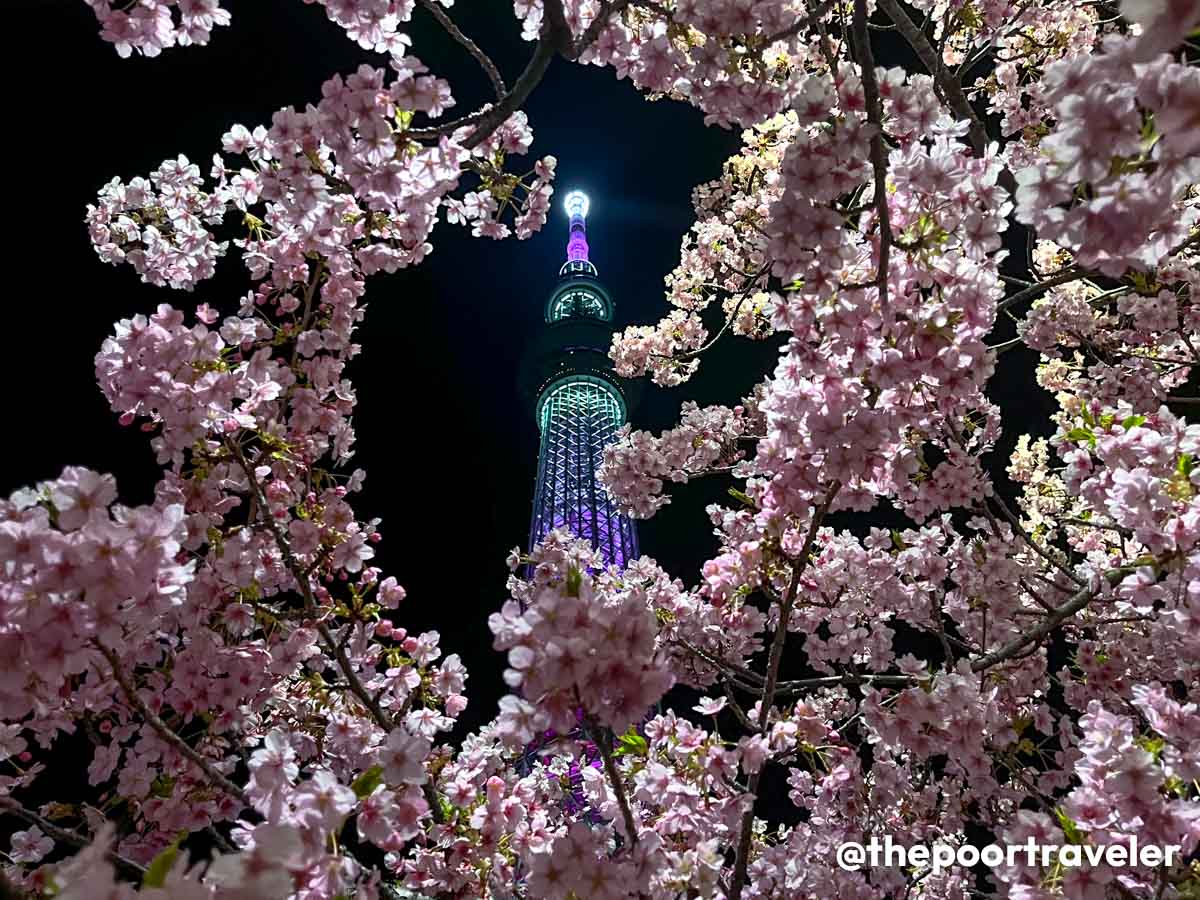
1081 599
489 67
948 84
554 38
165 732
487 120
866 61
742 859
1036 290
66 836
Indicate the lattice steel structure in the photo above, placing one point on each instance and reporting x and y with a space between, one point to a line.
580 405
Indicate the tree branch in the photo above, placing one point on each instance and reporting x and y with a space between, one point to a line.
487 120
1036 290
554 38
866 61
66 836
1077 602
941 75
614 777
489 67
742 859
165 732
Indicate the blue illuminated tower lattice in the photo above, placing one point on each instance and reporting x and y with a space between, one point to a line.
580 404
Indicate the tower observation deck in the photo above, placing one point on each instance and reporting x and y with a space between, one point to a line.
580 403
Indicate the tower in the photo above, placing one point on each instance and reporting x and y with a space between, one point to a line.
580 403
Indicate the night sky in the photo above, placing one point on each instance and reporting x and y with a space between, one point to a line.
448 443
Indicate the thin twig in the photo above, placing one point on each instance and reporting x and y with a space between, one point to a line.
1081 599
807 684
66 836
742 859
711 659
930 58
489 67
690 354
165 732
736 708
866 61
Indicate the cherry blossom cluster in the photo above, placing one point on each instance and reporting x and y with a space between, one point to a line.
160 225
1124 129
577 637
340 178
735 61
636 465
1131 784
81 572
151 26
922 384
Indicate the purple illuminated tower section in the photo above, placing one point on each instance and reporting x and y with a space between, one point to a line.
577 208
580 404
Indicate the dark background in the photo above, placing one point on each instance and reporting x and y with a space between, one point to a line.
448 443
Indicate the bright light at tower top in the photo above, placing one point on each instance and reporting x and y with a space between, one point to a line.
577 204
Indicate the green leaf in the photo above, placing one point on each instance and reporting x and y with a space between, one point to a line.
1184 466
632 742
365 784
1072 831
897 541
163 786
574 581
1081 434
1087 416
742 497
1177 786
156 872
1152 745
1133 422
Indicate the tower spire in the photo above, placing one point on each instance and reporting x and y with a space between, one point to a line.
577 204
580 404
